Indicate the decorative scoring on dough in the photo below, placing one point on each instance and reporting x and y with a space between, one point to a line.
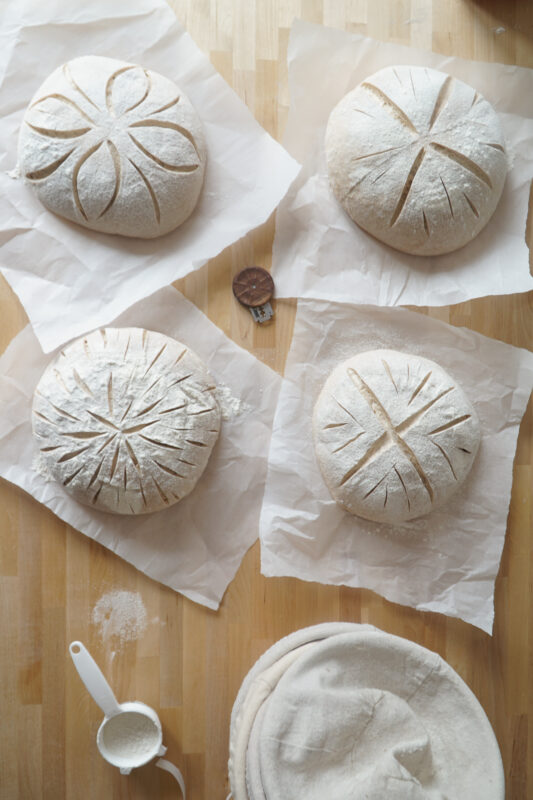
136 139
126 419
416 158
395 435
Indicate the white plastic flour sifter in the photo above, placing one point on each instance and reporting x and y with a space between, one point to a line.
130 734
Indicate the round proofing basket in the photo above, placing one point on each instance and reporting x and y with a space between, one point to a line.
343 710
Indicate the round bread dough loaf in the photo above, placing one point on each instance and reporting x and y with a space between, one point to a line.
416 158
395 436
114 147
126 419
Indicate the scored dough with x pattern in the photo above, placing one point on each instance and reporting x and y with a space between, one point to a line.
126 419
416 158
395 436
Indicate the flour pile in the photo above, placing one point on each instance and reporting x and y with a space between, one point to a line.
130 737
120 616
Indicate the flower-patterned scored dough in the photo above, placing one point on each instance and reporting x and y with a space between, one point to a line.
125 420
416 158
114 147
395 436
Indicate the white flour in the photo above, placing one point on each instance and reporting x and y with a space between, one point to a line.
39 466
120 615
229 405
130 736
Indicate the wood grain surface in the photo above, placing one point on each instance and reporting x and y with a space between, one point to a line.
190 661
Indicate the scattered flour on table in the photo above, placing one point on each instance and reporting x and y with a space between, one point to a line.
120 615
230 406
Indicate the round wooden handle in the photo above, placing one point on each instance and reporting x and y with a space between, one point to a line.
253 287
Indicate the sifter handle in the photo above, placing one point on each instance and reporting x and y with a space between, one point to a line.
93 678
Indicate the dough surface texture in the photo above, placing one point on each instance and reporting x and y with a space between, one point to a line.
114 147
126 419
417 159
395 436
349 712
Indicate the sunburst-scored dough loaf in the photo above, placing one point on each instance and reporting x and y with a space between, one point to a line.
416 158
114 147
125 420
395 435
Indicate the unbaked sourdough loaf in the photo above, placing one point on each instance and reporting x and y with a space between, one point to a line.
395 435
114 147
126 419
416 158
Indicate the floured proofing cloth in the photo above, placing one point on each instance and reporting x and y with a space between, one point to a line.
345 711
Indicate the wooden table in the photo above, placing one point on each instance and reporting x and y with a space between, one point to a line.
190 661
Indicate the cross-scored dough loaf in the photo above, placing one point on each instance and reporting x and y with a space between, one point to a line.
416 158
126 419
114 147
395 436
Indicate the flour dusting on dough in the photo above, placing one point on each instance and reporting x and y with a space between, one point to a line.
39 466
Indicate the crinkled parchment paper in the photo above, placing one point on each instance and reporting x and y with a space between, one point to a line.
70 279
319 252
196 546
446 561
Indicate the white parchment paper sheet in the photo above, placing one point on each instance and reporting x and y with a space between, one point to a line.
196 546
446 561
69 279
318 250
